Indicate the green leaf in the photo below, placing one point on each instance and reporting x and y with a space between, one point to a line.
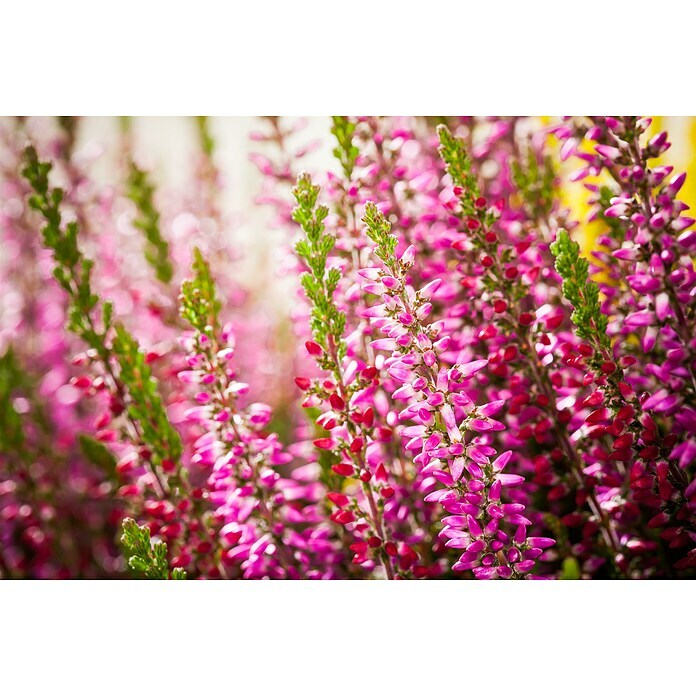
571 569
147 559
12 435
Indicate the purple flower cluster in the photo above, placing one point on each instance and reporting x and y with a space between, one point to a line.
455 391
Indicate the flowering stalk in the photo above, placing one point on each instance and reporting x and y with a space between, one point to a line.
352 428
156 445
648 258
236 455
134 385
451 449
657 236
502 279
621 421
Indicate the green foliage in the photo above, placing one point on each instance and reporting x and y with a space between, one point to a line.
535 182
570 569
580 291
204 137
142 192
98 454
73 272
379 231
71 269
460 167
11 430
125 124
327 321
148 560
198 303
68 125
145 405
617 226
346 153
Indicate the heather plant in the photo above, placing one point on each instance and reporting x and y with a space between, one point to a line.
145 557
465 384
141 192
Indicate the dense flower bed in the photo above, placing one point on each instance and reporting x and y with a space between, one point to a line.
463 394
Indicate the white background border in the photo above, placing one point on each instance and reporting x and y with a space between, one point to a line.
154 58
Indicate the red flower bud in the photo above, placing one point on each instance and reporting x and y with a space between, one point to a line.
391 549
357 445
342 516
339 499
344 469
369 372
313 348
337 402
168 466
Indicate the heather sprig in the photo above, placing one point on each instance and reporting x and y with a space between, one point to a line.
352 429
460 168
328 321
379 231
145 557
133 386
144 404
141 191
581 292
346 152
71 269
449 423
68 126
508 277
198 302
238 457
590 322
648 278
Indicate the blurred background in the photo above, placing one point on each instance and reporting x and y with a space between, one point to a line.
167 145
